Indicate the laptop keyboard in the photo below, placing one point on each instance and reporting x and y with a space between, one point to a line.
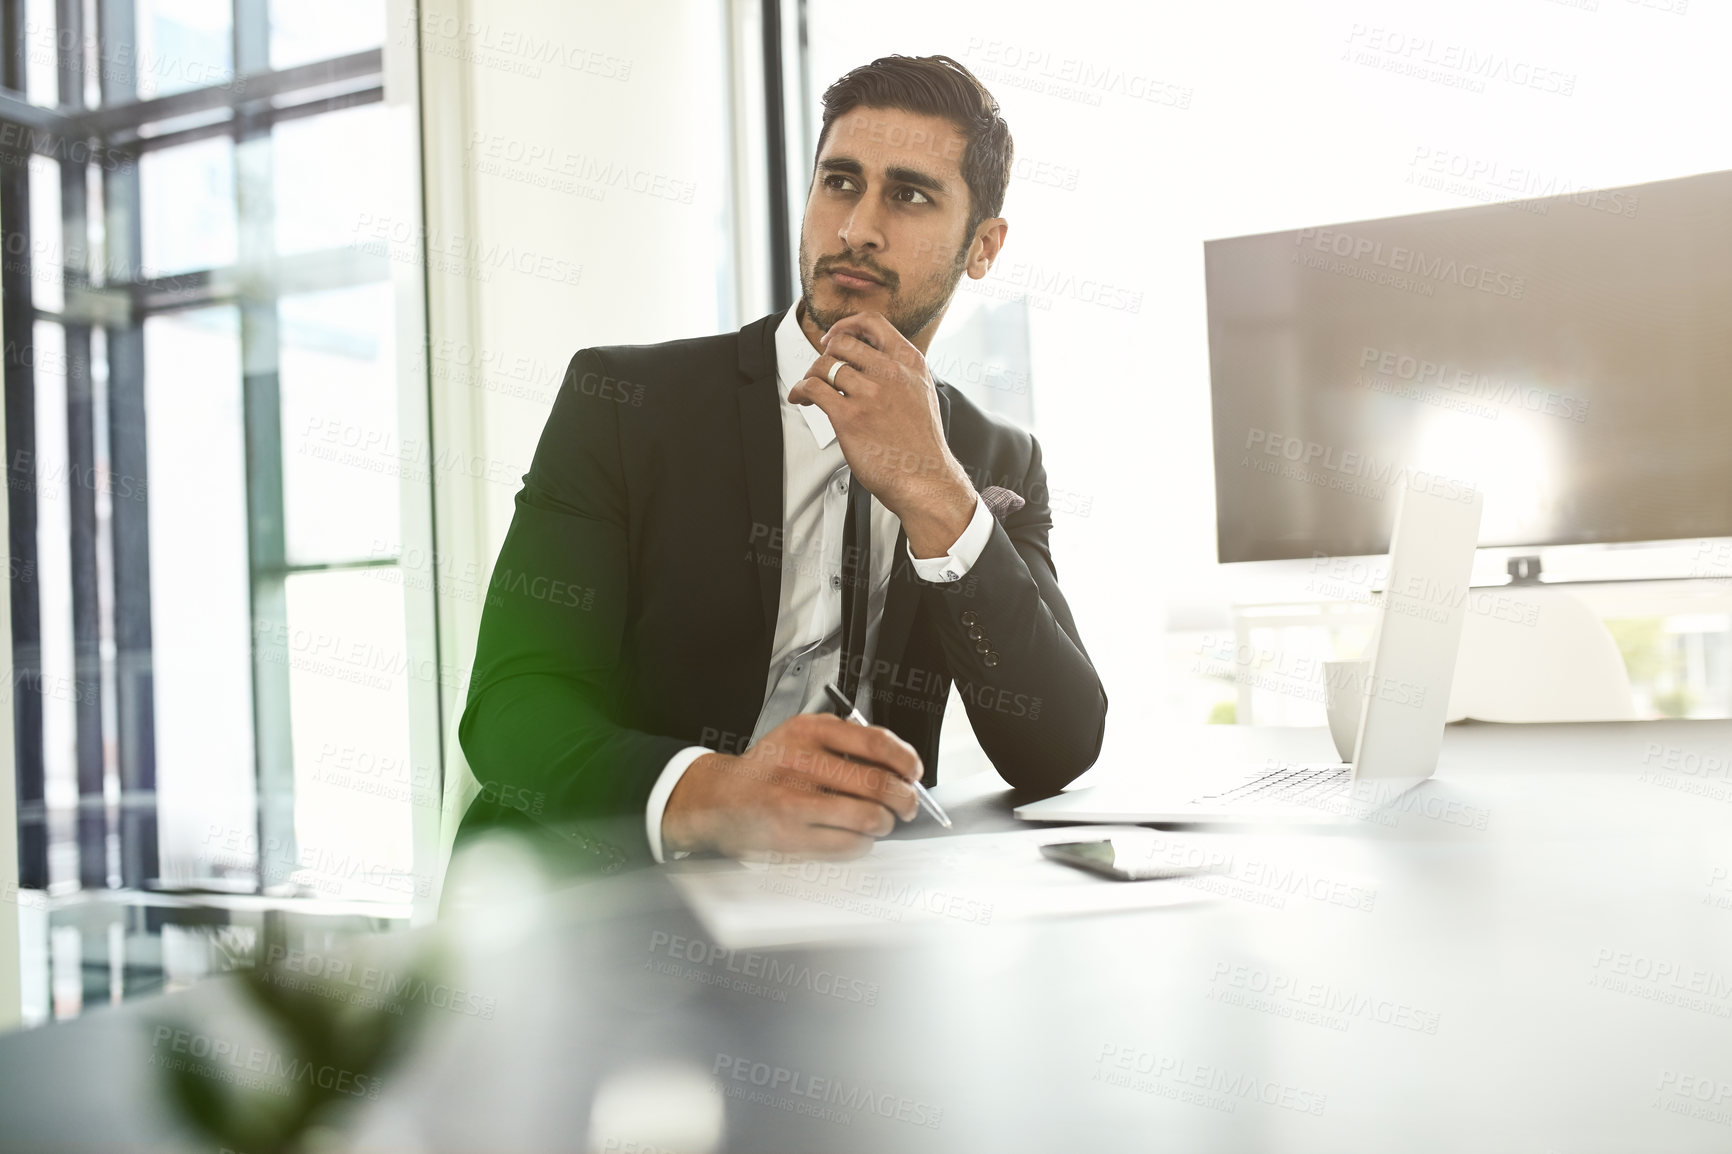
1289 785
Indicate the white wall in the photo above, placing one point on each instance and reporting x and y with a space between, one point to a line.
566 108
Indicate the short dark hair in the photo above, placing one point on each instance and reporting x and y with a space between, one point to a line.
935 86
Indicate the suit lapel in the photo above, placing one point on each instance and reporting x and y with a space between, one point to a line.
905 587
761 443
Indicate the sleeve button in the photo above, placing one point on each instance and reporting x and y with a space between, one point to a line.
975 633
971 618
990 660
983 646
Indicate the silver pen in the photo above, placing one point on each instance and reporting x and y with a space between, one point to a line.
846 709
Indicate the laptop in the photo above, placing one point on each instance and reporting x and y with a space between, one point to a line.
1405 700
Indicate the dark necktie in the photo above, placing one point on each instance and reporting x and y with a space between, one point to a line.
856 567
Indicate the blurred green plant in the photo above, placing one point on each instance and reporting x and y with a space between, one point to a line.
1642 641
1676 703
1648 657
331 1048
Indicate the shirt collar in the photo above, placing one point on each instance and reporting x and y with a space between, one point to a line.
794 355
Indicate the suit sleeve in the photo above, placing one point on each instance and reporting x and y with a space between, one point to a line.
536 729
1033 696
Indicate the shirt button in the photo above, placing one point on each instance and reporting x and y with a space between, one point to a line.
841 486
836 581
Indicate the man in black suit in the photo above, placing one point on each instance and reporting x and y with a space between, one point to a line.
712 529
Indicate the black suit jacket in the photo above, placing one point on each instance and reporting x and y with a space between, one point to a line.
633 606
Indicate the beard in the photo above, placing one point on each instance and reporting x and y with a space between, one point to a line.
910 312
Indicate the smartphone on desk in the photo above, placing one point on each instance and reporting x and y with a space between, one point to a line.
1118 860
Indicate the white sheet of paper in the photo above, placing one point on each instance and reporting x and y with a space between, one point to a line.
971 881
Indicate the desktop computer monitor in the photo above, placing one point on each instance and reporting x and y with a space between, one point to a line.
1570 357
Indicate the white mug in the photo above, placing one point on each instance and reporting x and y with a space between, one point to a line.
1344 693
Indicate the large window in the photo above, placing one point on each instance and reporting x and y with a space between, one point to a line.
217 448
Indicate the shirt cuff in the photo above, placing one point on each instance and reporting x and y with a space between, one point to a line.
954 566
664 789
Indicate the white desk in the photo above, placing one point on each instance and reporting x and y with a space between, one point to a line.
1537 957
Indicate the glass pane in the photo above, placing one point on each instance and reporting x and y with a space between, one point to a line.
329 172
42 60
349 674
1680 665
53 576
46 247
182 44
343 459
201 597
303 31
187 196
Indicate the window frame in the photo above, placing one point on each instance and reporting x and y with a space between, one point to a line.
112 614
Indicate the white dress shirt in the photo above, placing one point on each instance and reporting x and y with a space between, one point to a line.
807 649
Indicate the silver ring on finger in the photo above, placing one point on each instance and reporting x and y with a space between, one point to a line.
834 369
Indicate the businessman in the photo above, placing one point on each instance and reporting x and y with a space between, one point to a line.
713 529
